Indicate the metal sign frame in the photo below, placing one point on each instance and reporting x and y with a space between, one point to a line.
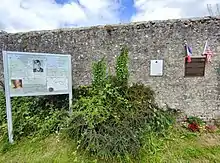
7 86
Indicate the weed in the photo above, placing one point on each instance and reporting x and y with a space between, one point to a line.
112 117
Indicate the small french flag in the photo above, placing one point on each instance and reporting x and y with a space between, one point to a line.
188 53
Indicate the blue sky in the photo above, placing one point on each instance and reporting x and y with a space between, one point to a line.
126 11
29 15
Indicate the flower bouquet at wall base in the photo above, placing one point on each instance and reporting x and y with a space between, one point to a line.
211 128
195 124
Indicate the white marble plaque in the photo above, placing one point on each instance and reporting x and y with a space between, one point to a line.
156 67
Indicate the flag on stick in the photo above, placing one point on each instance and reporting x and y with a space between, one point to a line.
207 52
188 53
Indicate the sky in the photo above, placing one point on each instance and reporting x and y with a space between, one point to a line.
32 15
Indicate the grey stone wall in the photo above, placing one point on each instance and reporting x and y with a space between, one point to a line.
145 40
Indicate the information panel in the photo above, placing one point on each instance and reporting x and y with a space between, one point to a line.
35 74
32 74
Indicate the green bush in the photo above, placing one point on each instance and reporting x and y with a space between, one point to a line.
99 74
41 115
3 125
110 119
122 73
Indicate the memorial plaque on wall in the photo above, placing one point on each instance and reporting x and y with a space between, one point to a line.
156 67
196 67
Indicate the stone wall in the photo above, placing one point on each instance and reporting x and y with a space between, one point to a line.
145 40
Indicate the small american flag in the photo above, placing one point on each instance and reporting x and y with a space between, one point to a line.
207 52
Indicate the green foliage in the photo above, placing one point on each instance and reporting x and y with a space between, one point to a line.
122 73
34 115
3 125
99 74
193 119
100 124
110 119
180 145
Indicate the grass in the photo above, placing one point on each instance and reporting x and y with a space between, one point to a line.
184 146
50 149
179 146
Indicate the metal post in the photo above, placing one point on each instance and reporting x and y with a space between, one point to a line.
70 85
8 98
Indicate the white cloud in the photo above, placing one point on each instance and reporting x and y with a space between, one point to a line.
26 15
171 9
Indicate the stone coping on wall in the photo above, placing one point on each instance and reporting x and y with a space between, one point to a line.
186 21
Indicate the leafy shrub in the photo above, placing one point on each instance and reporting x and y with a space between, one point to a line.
81 91
111 117
41 115
3 125
99 74
122 73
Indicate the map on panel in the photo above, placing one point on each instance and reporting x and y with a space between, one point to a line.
34 74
